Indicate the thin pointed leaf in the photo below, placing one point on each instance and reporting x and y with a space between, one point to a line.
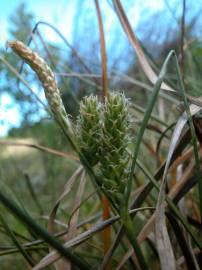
53 256
36 228
145 121
16 242
151 75
191 110
164 247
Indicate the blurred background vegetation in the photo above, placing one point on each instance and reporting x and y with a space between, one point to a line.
25 171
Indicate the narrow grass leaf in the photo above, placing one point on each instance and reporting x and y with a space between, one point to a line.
145 121
191 110
151 75
16 242
72 224
67 188
41 148
54 255
36 228
51 220
182 242
103 51
171 204
73 50
72 227
164 247
33 194
105 90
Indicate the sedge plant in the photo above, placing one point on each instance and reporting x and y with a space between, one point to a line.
101 138
103 133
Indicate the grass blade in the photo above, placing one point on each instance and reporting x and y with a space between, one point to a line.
163 243
16 242
103 52
136 45
67 188
145 121
33 194
105 201
40 148
182 242
36 228
53 256
193 133
172 206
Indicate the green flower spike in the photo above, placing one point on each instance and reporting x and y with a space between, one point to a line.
88 128
114 157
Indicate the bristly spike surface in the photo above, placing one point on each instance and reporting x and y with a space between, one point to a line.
88 128
114 157
47 79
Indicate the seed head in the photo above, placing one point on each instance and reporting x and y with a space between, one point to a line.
88 128
47 79
114 157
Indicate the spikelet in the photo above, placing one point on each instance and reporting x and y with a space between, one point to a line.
88 128
47 79
114 157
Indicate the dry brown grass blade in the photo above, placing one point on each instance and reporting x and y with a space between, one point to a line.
51 221
150 223
40 147
107 231
164 246
103 51
181 262
72 228
73 222
184 157
62 264
172 194
54 255
167 258
151 75
66 190
105 202
66 42
182 38
94 81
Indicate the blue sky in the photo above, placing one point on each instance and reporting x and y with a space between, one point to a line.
61 13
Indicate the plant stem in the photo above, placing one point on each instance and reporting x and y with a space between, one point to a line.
128 224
